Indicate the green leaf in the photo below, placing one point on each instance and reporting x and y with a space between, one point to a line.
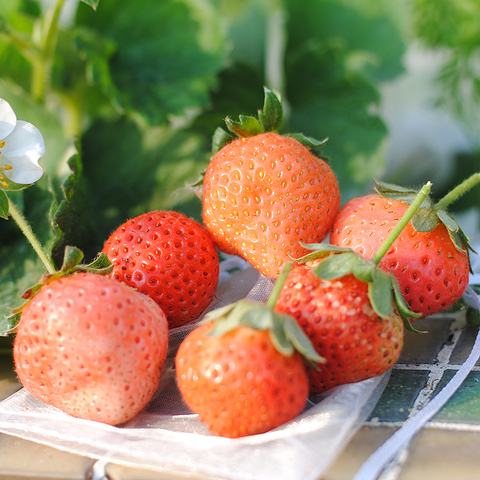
217 313
278 335
147 170
337 266
3 205
258 317
300 341
101 265
308 142
364 271
73 256
448 220
320 250
331 93
220 138
425 220
403 309
380 293
233 318
168 53
271 117
9 323
72 218
245 127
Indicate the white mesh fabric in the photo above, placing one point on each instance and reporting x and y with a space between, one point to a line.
167 437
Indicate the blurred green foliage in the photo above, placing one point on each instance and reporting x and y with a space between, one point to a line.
128 94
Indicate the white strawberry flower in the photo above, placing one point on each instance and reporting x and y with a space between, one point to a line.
21 146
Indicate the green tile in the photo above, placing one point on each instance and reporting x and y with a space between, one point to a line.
464 406
399 395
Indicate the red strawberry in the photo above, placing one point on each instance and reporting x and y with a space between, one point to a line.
170 258
265 193
351 310
242 372
238 383
92 347
431 266
337 317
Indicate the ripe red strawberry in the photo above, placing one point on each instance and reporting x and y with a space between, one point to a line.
264 193
170 258
238 383
243 371
91 346
352 311
432 269
337 317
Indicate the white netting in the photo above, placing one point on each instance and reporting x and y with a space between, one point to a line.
166 436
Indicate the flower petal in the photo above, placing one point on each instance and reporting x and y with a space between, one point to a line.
24 170
8 119
19 157
25 139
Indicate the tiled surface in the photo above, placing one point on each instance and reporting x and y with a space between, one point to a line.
447 448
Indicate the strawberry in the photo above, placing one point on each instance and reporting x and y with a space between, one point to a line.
265 193
242 372
92 347
337 317
429 258
344 304
170 258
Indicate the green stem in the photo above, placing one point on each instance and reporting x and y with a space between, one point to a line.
28 232
42 67
422 194
459 190
272 300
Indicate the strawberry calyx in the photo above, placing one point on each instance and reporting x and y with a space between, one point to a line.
383 288
270 119
431 213
285 333
71 264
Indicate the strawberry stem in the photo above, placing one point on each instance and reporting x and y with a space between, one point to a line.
272 300
422 194
28 232
459 190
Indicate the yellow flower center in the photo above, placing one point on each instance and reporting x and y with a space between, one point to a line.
7 167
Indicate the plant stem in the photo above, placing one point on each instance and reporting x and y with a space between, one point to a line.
422 194
272 300
48 40
459 190
28 232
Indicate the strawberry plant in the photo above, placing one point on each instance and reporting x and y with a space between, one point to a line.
265 193
352 311
170 258
242 371
430 258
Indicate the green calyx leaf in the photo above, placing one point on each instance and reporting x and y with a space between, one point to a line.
245 127
428 215
270 119
71 264
308 142
286 335
383 289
